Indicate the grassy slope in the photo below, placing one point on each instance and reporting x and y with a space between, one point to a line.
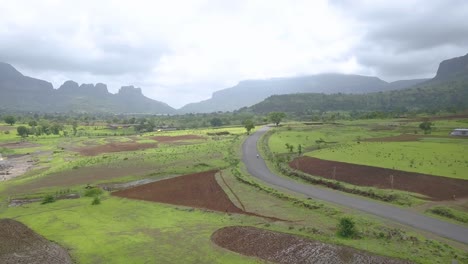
437 156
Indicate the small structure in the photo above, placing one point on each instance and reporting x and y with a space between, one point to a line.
460 132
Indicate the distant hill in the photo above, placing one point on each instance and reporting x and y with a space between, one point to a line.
247 93
23 93
448 90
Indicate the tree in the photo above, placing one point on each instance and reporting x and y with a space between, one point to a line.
276 117
299 149
216 122
74 127
426 126
11 120
249 125
32 123
22 131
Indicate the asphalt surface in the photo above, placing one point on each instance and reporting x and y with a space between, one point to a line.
257 168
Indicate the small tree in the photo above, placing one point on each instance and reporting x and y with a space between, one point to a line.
347 227
299 149
11 120
426 126
22 131
276 117
249 125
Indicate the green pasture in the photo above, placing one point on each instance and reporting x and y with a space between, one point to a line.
442 158
436 153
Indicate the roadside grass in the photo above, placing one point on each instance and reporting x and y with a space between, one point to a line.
450 213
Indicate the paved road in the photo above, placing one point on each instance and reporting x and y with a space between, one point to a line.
257 168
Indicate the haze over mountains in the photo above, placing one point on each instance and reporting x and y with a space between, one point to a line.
248 93
23 93
448 90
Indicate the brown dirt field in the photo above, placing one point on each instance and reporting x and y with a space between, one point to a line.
19 244
200 190
169 139
114 147
285 248
436 187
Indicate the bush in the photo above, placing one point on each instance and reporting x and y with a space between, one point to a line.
93 192
346 227
96 200
48 199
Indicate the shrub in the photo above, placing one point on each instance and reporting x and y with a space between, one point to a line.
93 192
96 201
346 227
48 199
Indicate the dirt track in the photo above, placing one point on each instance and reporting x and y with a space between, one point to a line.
436 187
285 248
200 190
19 244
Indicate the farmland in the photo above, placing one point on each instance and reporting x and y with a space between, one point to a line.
125 228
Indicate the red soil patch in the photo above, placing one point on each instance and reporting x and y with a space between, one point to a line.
285 248
436 187
114 147
168 139
200 190
19 244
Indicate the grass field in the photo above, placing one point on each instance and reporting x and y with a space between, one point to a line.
435 154
129 231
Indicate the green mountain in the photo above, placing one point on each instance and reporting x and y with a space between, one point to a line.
248 93
23 93
448 90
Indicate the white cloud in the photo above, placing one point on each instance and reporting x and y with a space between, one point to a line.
182 51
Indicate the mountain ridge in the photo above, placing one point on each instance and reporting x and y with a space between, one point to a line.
24 93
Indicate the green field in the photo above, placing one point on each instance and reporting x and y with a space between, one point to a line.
129 231
435 154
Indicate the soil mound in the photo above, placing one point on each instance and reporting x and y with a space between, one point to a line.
285 248
195 190
436 187
19 244
114 147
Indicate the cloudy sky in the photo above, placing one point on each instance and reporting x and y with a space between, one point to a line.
182 51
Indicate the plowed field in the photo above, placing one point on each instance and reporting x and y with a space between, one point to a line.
19 244
284 248
436 187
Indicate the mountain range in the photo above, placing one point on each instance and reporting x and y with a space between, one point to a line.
448 90
248 93
23 93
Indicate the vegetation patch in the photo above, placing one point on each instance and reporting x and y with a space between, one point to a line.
449 213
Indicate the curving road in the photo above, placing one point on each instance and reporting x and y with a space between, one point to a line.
257 168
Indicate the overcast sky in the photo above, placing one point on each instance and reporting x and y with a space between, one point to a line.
182 51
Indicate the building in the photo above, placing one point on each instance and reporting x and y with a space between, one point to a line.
460 132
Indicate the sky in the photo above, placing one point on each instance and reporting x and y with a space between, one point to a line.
180 52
